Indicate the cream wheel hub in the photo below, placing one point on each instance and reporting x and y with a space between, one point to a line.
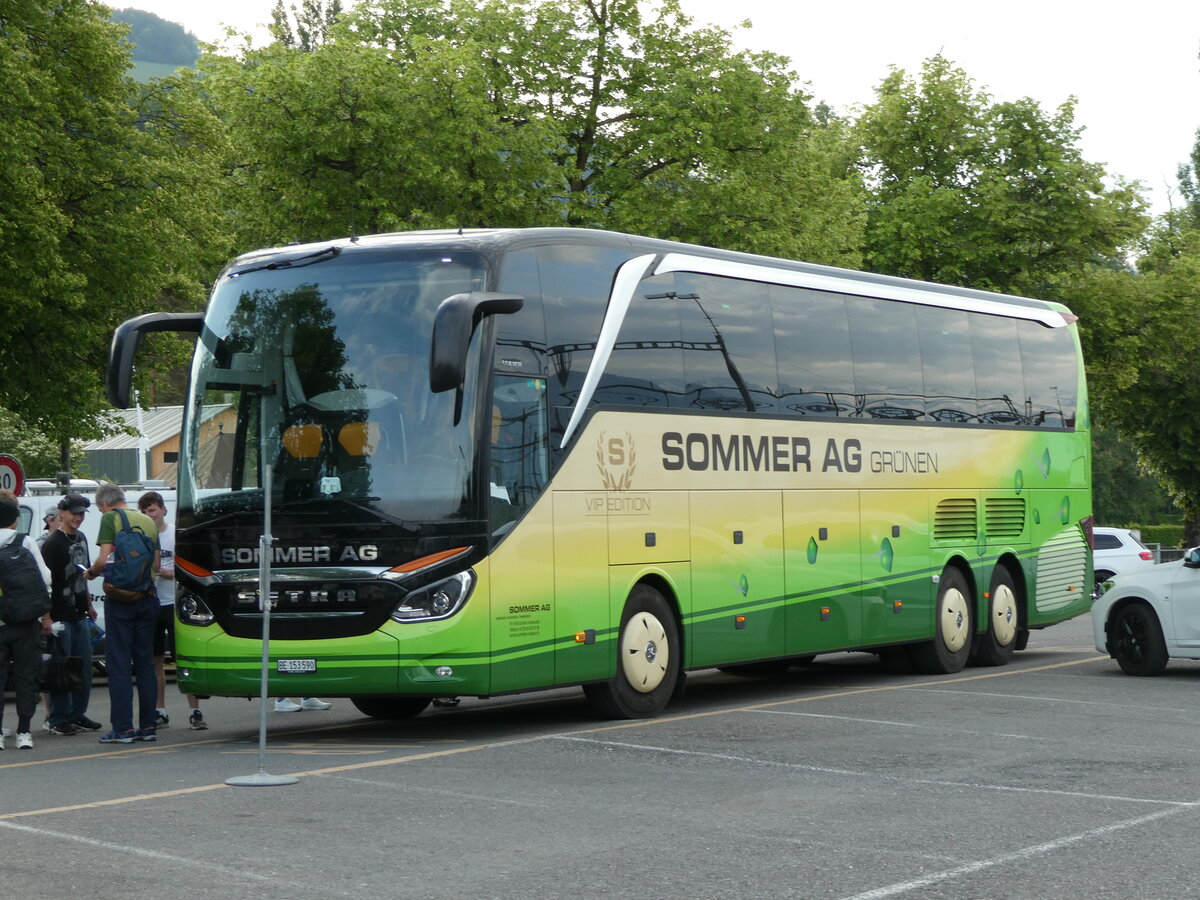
955 620
1004 615
645 652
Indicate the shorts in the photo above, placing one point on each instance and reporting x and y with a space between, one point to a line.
164 632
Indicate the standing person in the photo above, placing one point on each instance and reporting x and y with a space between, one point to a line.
130 615
66 555
19 642
287 704
53 523
151 503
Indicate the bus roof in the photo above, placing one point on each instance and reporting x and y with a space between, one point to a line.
497 241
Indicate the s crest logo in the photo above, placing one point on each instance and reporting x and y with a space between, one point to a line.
616 458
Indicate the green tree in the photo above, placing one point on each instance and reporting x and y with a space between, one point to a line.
1141 344
305 28
419 113
994 195
106 206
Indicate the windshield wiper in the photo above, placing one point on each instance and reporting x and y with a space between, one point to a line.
295 263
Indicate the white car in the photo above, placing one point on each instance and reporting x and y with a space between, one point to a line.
1144 618
1117 551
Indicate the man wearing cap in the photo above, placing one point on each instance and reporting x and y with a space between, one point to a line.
66 555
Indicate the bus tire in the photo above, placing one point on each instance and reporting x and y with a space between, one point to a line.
390 707
648 660
951 645
995 646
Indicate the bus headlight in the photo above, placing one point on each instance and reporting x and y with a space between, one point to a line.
192 610
438 600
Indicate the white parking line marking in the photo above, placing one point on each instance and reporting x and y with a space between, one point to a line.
940 729
1140 706
1024 853
860 774
158 856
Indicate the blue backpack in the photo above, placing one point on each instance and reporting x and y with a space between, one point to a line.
133 556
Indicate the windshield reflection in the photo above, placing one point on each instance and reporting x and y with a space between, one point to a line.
330 362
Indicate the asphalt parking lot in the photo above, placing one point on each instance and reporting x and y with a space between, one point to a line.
1056 776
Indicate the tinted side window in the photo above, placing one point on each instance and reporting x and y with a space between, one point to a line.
646 366
519 466
521 337
729 351
1051 374
1107 542
812 341
887 359
947 364
999 383
576 282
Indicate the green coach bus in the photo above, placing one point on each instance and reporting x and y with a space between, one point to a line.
514 459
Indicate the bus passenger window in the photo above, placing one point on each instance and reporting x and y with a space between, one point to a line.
519 465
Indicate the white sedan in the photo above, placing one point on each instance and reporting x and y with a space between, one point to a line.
1144 618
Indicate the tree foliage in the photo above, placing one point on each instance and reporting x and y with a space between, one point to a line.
994 195
420 113
1142 345
305 28
105 205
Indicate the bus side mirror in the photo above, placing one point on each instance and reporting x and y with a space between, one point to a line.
456 318
119 375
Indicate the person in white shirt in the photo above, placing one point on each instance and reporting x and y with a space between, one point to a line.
19 642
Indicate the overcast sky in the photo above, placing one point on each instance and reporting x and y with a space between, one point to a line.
1132 66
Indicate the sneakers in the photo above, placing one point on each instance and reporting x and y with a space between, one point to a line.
62 729
314 703
24 741
84 723
119 737
148 735
161 720
283 704
196 721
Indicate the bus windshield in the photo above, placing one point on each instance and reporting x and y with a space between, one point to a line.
322 367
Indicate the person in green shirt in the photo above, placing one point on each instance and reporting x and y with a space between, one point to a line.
129 626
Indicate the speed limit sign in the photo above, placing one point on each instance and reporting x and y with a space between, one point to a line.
12 476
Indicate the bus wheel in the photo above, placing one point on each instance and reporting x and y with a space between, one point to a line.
951 644
995 646
648 658
390 707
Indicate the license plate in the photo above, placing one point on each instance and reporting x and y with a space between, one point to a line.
296 665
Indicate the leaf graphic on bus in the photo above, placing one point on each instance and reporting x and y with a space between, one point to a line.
886 555
1046 463
1019 481
1064 511
812 550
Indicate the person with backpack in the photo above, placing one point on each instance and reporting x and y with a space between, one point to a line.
127 559
65 552
24 608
